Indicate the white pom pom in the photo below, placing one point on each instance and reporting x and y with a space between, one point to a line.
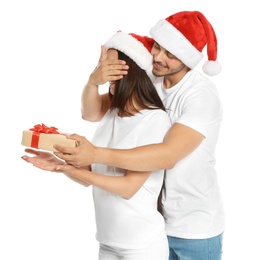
211 67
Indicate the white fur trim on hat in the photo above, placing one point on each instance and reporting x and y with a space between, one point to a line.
133 48
166 35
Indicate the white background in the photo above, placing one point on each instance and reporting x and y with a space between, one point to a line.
47 50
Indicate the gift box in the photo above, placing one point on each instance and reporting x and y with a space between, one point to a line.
43 137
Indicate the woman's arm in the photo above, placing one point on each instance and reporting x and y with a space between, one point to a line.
93 105
125 186
48 162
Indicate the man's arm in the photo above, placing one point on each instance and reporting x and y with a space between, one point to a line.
178 143
94 105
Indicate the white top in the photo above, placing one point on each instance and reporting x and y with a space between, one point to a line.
133 223
192 204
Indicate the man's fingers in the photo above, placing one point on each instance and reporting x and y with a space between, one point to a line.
65 156
64 149
78 138
103 54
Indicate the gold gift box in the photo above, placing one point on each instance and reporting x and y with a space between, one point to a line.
45 141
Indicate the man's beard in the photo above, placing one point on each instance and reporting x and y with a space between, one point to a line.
173 72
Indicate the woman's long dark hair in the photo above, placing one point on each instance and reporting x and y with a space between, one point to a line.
136 84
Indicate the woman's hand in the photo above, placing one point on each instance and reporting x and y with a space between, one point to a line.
43 160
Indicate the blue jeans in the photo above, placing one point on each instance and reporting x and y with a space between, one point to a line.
195 249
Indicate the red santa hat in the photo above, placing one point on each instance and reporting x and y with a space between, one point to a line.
184 35
134 46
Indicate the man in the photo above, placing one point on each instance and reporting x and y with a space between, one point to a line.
191 200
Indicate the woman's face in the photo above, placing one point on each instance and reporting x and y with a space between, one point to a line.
112 55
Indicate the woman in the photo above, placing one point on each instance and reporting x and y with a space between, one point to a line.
129 225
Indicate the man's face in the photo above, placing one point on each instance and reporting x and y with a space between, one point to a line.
165 63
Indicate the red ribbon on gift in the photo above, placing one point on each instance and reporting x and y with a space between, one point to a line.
37 130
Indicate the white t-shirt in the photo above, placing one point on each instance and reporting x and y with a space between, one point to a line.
192 205
132 223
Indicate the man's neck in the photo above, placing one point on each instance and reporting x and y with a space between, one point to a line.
171 80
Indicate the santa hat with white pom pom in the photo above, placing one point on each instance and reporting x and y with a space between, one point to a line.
184 35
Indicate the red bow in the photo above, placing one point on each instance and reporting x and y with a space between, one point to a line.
44 129
37 130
